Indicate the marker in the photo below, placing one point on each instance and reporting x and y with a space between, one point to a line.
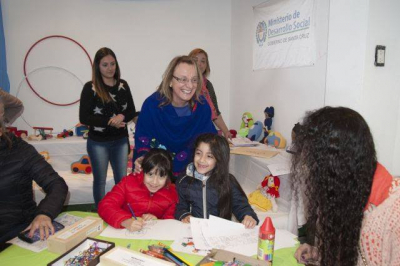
133 214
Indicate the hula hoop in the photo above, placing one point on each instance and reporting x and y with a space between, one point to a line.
26 76
35 70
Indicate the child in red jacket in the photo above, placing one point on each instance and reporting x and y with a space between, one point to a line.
150 193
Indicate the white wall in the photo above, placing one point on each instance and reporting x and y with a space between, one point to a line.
355 28
145 35
381 90
292 91
344 74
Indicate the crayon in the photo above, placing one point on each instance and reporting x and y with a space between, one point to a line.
131 210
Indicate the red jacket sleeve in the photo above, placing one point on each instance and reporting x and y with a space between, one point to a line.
169 213
111 206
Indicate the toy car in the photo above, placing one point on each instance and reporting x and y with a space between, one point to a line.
65 133
82 166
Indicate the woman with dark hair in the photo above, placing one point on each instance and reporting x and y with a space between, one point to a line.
20 165
149 194
173 116
106 106
209 189
207 90
352 202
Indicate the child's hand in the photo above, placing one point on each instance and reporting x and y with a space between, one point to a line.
186 220
148 217
249 222
138 165
133 225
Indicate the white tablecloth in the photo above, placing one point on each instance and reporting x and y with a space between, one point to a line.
62 153
250 171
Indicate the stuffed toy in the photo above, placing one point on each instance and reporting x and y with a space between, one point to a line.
255 131
264 196
247 123
275 139
269 113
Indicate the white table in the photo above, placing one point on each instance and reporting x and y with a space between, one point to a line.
63 152
250 171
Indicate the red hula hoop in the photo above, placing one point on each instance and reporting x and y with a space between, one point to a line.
26 58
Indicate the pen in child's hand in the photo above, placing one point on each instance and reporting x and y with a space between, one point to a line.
133 214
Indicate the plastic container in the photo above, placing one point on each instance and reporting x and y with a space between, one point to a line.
266 241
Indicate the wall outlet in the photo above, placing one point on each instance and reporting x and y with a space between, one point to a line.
380 55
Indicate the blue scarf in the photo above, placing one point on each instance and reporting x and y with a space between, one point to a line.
161 127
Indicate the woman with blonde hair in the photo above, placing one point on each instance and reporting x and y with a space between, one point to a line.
207 90
173 116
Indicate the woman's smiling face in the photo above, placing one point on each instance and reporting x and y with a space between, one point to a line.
182 92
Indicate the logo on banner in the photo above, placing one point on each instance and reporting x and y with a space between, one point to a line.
261 33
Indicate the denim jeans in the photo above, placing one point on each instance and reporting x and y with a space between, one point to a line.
100 153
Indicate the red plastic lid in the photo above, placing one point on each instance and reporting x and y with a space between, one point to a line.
267 226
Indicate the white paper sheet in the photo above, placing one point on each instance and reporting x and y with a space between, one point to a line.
154 229
186 245
38 246
232 236
243 142
67 219
198 225
279 169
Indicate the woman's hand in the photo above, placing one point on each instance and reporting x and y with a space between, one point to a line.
133 225
43 223
306 254
227 135
249 222
186 220
138 165
148 217
117 121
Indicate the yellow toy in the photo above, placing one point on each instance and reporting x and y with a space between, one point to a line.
264 196
276 140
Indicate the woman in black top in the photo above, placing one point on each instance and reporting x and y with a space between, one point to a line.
106 106
20 165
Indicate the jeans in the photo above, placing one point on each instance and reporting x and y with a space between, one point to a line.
100 153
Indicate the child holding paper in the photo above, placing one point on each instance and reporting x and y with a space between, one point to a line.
149 194
209 189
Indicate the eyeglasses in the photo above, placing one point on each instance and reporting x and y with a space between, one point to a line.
186 80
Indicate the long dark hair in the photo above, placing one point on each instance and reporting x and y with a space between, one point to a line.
333 167
159 159
97 79
220 179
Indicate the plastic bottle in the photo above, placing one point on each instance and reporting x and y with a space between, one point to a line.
266 241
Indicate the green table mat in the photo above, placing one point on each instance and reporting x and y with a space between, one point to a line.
16 256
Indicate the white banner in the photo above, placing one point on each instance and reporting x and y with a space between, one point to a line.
284 34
